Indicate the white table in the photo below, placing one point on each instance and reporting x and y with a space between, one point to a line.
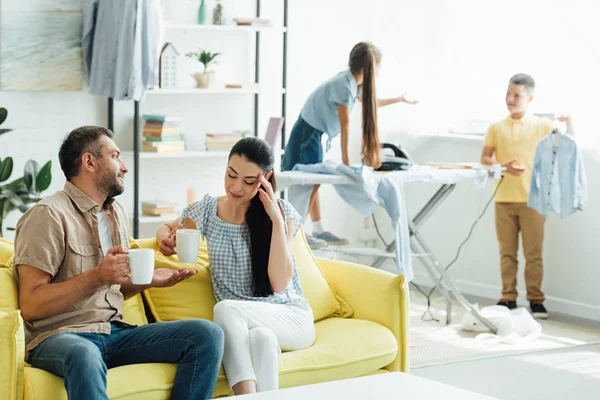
393 385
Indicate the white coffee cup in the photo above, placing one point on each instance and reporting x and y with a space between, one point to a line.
141 264
188 242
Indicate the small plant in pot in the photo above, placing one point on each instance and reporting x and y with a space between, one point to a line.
204 78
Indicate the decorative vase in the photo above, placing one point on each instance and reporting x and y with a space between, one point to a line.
218 13
204 80
202 15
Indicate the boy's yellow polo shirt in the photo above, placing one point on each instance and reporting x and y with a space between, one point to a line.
516 138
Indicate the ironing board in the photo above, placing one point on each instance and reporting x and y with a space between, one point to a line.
448 178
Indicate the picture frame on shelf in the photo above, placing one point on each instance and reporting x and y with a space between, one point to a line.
169 66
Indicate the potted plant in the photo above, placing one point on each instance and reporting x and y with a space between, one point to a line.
3 116
23 192
204 78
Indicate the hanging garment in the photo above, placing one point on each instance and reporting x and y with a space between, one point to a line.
558 184
121 47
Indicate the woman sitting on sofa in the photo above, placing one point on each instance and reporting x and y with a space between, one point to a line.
249 232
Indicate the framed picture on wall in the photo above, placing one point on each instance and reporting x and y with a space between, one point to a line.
40 45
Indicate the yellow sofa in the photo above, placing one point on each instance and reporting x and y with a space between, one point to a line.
361 319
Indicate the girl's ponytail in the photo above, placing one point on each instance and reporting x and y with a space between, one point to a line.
364 57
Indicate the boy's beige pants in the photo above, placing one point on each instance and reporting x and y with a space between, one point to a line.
512 218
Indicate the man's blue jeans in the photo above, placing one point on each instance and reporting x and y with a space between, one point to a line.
82 359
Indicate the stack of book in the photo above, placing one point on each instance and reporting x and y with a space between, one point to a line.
222 141
253 21
158 208
162 134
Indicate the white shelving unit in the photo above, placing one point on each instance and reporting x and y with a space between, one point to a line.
154 220
201 92
253 89
182 154
226 28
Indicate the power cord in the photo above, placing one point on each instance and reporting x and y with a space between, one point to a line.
378 232
428 295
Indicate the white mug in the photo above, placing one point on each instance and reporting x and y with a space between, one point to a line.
188 242
141 264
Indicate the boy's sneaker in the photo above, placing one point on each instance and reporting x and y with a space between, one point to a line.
331 239
315 243
510 304
538 310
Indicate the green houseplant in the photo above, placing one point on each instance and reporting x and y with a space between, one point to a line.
23 192
204 78
3 116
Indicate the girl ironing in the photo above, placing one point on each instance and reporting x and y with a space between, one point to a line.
327 111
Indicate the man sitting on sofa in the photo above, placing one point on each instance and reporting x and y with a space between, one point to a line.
72 267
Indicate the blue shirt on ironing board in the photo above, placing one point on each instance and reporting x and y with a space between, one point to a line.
320 110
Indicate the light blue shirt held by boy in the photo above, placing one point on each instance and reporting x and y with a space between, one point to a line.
320 110
558 184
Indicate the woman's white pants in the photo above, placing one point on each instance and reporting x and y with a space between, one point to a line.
255 334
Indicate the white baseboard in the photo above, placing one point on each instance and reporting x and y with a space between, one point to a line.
554 304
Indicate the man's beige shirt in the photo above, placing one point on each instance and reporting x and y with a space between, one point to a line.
59 235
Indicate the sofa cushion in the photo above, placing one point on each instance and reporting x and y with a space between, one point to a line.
12 345
317 290
9 293
139 382
194 298
7 249
344 348
134 312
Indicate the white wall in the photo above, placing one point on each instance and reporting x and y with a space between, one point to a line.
456 57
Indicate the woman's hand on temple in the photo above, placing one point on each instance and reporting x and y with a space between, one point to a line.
267 196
